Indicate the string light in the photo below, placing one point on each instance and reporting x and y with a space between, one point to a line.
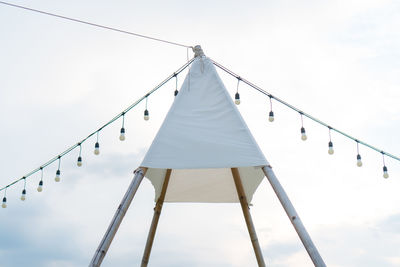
176 85
146 112
237 96
79 161
23 195
359 162
97 145
4 204
304 137
302 130
57 178
330 144
40 187
71 148
385 170
122 132
271 113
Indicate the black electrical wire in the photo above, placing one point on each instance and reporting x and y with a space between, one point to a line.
301 112
102 127
94 24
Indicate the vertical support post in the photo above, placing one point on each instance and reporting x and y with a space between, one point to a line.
247 216
294 218
117 219
156 217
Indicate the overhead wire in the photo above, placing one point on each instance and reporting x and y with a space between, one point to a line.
96 25
301 112
60 155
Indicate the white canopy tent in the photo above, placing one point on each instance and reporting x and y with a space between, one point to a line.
204 152
202 137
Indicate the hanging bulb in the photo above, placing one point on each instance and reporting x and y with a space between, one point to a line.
97 148
359 162
23 195
146 115
57 178
122 135
330 150
237 99
4 205
303 134
385 172
79 161
176 85
40 187
271 116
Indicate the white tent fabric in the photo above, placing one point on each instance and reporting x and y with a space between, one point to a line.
202 137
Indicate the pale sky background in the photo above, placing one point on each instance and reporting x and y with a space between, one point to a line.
60 81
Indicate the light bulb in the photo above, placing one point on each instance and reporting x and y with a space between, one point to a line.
303 134
122 135
330 150
97 148
271 116
176 92
146 115
40 187
359 162
237 99
23 195
79 161
4 205
57 178
385 172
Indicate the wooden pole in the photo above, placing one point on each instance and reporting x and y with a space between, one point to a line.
294 217
156 217
117 219
247 216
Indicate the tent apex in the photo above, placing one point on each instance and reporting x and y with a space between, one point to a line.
198 51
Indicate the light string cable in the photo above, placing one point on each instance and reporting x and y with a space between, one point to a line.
68 150
96 25
301 112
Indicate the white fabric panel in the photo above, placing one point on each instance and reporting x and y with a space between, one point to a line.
205 185
201 185
201 138
203 128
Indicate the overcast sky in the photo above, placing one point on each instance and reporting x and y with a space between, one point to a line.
60 81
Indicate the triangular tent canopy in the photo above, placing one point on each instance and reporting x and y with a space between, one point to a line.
204 152
202 137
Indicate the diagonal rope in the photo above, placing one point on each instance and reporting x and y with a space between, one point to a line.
95 25
102 127
301 112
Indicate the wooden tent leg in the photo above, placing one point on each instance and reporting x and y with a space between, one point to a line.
117 219
156 217
247 216
293 217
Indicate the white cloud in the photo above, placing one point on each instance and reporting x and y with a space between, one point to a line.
337 60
